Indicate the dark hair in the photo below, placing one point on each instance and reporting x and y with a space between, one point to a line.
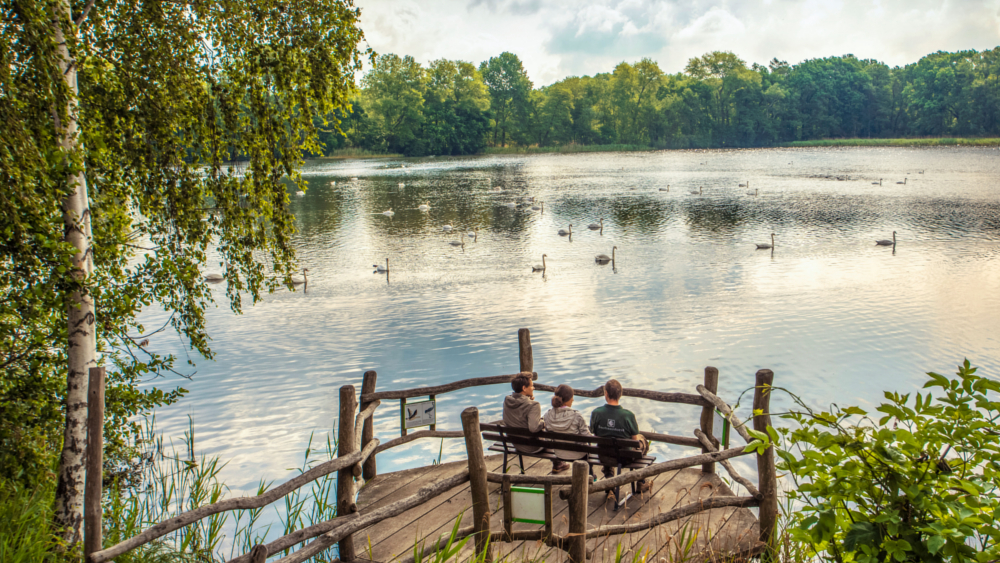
613 389
519 382
563 395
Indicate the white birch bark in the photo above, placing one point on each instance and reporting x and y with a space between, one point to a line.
82 342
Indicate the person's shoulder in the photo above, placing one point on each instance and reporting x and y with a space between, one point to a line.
601 410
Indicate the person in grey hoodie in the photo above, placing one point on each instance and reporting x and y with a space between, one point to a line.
562 418
521 410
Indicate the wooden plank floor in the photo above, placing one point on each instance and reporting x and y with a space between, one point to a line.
712 534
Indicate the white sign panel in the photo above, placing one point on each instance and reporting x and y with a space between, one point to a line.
423 413
527 505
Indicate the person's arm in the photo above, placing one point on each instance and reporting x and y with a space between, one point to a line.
581 426
593 422
535 422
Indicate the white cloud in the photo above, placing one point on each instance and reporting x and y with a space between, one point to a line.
557 38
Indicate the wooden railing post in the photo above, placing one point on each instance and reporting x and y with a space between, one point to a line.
579 489
369 470
708 414
477 480
346 445
524 350
766 476
93 487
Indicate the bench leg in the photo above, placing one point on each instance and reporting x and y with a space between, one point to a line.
521 459
505 460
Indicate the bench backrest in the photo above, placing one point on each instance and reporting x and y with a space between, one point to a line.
619 448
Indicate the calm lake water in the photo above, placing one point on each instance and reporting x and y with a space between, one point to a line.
837 318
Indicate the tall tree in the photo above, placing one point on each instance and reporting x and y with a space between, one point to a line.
394 94
119 120
509 89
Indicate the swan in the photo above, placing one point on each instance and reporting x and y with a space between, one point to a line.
879 183
333 183
388 212
754 192
747 185
446 227
885 242
539 267
531 199
354 178
604 258
300 193
903 182
425 206
474 235
765 245
697 192
564 232
536 206
595 226
214 278
457 243
512 205
402 185
666 189
380 268
303 279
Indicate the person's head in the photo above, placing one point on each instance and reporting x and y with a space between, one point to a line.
563 397
612 391
522 384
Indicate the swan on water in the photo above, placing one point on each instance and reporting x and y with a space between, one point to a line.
595 226
747 185
214 278
604 258
354 178
388 212
753 193
903 182
425 206
885 242
300 193
666 189
765 245
511 204
380 268
697 192
402 185
303 279
536 206
564 232
879 183
445 227
457 243
539 267
474 235
333 183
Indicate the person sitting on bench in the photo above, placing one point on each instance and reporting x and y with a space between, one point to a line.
521 410
562 418
614 421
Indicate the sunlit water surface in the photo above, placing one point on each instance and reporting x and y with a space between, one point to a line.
837 318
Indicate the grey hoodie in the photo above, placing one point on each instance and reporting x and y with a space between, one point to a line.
521 412
567 421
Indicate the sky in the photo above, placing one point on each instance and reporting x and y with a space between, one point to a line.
559 38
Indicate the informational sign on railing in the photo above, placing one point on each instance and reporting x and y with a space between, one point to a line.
527 505
421 413
722 429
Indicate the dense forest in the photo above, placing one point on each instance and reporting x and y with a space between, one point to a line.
453 107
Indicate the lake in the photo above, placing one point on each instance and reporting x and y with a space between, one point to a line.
837 318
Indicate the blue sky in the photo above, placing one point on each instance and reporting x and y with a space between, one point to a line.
559 38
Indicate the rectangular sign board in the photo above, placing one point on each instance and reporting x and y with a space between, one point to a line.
421 413
527 505
721 429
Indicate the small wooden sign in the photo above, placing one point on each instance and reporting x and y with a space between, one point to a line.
527 505
722 426
421 413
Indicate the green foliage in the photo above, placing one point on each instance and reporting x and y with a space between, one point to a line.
919 483
170 94
26 534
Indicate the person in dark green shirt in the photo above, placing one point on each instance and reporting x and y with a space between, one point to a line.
615 421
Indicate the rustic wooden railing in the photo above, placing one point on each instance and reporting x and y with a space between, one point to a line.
357 448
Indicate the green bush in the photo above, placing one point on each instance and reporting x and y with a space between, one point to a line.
919 483
26 534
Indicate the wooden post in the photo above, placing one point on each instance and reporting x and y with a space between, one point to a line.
369 470
345 477
433 426
766 476
579 490
524 350
548 511
477 480
93 540
508 510
708 414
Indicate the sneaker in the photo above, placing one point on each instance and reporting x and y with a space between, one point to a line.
559 466
608 472
646 485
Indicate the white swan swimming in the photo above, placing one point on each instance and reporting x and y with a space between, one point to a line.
474 235
457 243
402 185
425 206
539 267
666 189
511 204
446 227
595 226
697 192
903 182
765 245
604 258
333 183
537 206
879 183
380 268
885 242
214 278
300 193
753 193
354 178
564 232
388 212
303 279
747 185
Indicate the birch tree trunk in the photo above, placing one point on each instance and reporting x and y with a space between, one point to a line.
82 342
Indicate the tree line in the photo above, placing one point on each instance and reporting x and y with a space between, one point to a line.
453 107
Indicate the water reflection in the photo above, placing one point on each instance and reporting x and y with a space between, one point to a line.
834 316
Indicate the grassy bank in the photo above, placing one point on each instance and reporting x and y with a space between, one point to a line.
343 154
566 149
924 142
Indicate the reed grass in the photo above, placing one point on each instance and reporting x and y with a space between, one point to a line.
352 152
570 148
923 142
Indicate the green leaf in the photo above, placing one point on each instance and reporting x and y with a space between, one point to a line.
860 533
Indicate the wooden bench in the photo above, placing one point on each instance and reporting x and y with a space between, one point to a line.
625 451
